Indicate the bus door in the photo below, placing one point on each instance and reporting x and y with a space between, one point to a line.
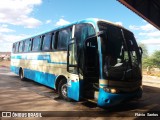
72 68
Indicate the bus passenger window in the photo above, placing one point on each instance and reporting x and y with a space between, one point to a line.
63 37
36 43
27 45
21 46
17 45
14 48
46 42
53 40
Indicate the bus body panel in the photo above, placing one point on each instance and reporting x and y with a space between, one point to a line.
74 87
40 67
44 67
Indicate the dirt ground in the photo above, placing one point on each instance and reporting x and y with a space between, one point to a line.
5 63
17 95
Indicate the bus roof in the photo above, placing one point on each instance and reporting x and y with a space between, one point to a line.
88 20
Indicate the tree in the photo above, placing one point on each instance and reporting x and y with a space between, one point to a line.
156 58
153 60
145 51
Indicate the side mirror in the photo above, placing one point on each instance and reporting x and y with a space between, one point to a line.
100 33
141 51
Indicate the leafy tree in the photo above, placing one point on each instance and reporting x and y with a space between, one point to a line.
152 61
145 51
156 59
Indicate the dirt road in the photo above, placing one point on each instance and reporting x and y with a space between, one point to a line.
16 95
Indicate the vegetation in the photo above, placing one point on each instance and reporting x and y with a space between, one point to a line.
151 63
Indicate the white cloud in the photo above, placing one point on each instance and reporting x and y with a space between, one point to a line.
4 29
7 40
48 21
151 41
11 38
119 23
150 34
62 22
17 12
147 27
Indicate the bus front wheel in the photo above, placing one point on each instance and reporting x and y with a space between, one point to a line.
21 74
62 90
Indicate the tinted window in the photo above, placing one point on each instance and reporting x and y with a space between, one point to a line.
36 46
46 42
63 37
27 45
21 46
83 31
14 47
53 40
17 44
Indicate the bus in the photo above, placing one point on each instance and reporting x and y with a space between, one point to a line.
90 59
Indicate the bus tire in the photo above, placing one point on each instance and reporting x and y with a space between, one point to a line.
21 74
62 90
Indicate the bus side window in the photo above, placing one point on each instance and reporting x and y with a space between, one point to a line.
17 45
46 42
14 48
36 43
63 37
83 31
27 45
21 46
53 40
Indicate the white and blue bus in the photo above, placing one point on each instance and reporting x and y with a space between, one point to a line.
92 59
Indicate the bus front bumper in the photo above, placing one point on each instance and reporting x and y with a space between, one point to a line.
106 99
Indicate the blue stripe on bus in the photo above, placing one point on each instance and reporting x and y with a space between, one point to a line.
40 77
103 85
38 57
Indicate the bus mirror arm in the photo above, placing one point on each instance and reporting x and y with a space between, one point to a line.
100 33
141 51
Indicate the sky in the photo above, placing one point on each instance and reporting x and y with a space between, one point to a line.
20 19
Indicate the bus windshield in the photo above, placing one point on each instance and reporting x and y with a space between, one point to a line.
121 57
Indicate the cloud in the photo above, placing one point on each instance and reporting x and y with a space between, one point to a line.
17 12
4 29
48 21
147 27
151 34
62 22
151 41
119 23
11 38
148 34
7 40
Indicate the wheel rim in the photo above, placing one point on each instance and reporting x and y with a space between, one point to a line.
64 90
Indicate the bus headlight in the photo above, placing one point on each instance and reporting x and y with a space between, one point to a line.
111 90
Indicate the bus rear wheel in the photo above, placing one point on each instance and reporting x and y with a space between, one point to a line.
21 74
62 90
